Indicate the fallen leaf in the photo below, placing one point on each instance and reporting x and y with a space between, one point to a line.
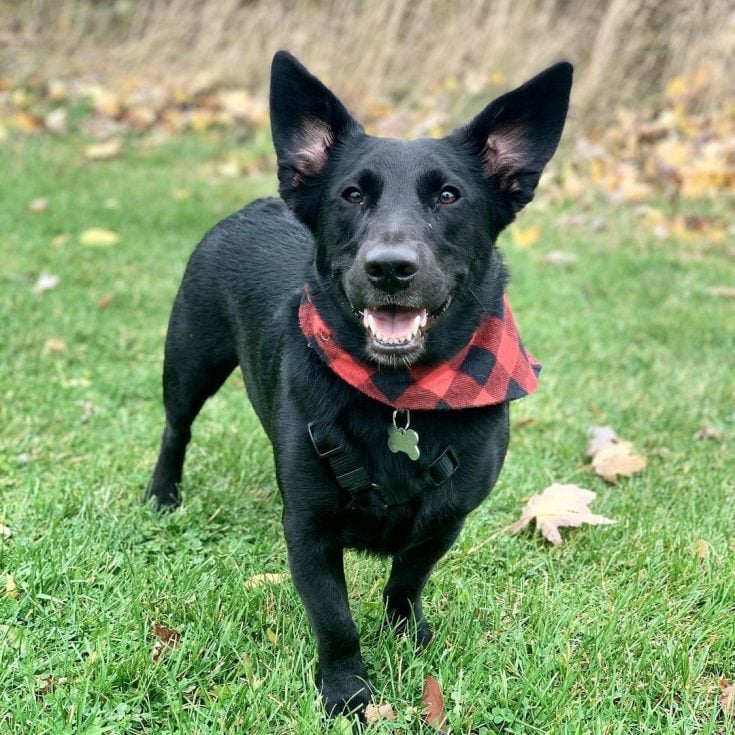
708 432
617 459
103 151
559 505
272 637
38 205
727 697
259 579
376 712
600 437
5 532
46 282
46 683
166 639
54 345
104 301
11 589
56 121
701 549
526 237
433 701
60 240
98 237
560 259
725 292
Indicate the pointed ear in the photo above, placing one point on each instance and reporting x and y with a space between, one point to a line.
308 123
516 135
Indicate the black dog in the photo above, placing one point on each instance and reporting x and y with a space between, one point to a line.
369 297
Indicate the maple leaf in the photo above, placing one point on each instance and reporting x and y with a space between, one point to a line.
433 701
166 638
559 505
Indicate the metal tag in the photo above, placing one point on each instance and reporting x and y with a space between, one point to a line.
403 439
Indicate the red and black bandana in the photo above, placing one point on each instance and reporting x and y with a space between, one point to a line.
493 367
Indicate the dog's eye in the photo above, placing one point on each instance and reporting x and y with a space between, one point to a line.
449 195
352 194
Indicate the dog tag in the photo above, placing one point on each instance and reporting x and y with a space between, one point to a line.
403 439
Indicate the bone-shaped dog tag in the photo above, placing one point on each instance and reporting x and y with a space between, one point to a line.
403 439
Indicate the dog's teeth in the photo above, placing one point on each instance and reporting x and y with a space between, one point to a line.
370 323
365 319
423 317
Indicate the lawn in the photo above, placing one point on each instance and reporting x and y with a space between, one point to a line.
622 629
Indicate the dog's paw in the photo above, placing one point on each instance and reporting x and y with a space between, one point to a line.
163 498
345 690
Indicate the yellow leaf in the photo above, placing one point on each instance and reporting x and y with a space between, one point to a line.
98 237
272 637
701 548
259 579
103 151
11 589
526 237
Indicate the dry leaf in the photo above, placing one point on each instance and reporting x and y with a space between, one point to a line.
708 432
47 683
376 712
166 638
701 549
600 437
45 282
259 579
272 637
433 701
98 237
11 589
38 205
5 532
56 121
103 151
104 301
617 459
526 237
559 505
727 697
60 240
54 345
725 292
560 259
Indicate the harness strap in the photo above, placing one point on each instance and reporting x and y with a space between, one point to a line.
353 478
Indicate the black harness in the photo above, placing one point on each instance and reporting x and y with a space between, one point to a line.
354 479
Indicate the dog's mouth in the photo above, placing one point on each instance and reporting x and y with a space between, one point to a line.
397 331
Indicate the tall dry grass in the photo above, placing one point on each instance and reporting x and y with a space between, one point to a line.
625 51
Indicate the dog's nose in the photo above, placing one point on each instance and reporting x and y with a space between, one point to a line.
391 268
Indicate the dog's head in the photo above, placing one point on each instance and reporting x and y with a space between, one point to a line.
405 230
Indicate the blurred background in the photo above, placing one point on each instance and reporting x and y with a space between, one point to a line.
652 103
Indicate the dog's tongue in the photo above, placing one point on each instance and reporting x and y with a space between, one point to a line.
394 324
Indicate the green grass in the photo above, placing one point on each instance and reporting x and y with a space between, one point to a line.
623 629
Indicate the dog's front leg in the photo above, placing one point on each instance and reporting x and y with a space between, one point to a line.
318 573
410 571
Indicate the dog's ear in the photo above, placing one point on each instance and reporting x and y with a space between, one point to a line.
516 135
308 123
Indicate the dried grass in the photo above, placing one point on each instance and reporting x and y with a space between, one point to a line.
384 50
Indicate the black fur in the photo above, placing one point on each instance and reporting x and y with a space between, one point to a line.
238 305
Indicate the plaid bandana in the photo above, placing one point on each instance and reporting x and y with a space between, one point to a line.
493 367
